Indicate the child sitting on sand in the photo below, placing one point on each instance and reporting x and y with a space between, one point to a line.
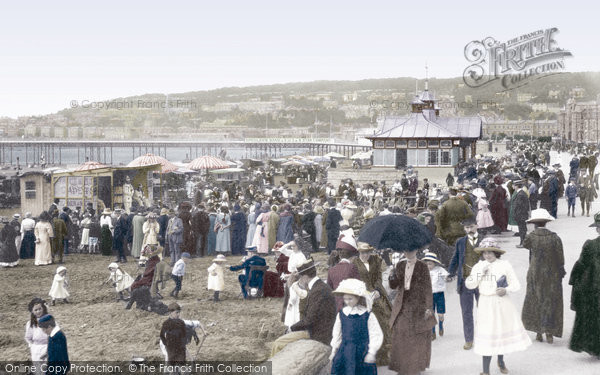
121 280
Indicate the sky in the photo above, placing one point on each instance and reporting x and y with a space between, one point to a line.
54 53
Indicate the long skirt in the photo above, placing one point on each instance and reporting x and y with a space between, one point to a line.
409 354
106 241
28 245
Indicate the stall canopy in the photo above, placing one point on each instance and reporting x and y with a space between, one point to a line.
151 159
335 155
363 155
207 163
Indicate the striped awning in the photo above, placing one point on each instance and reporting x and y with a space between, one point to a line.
151 159
207 162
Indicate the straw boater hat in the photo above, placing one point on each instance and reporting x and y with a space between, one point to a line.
164 211
540 215
363 246
220 258
106 211
431 257
352 286
309 264
488 244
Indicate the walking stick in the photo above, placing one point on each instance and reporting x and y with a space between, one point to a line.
199 347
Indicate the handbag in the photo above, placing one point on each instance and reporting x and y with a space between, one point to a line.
501 282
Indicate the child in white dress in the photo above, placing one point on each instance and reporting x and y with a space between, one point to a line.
216 280
120 279
59 286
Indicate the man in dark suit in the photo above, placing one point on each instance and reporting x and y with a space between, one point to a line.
58 356
200 227
332 226
463 260
318 316
257 277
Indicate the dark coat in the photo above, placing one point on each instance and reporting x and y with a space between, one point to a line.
200 223
543 306
449 217
188 238
8 248
163 221
318 316
585 279
341 271
498 208
411 332
58 355
332 225
238 233
521 206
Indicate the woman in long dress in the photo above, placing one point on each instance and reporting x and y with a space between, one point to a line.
238 232
318 223
9 256
43 240
261 237
211 241
499 329
150 230
138 233
222 227
484 217
285 231
106 238
252 225
85 233
412 319
35 337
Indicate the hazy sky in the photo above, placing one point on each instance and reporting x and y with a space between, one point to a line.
55 52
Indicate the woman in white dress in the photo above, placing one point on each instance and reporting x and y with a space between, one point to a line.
222 227
499 329
86 223
43 240
35 337
251 225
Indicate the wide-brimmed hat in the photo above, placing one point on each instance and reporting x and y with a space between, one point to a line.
346 241
352 286
304 267
364 247
113 265
174 306
220 258
488 244
106 211
164 211
596 220
431 257
252 248
540 215
60 269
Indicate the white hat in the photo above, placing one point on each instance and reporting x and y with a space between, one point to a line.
60 269
113 265
352 286
346 240
431 257
540 215
220 258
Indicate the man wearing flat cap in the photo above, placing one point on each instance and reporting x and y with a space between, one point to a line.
318 316
461 264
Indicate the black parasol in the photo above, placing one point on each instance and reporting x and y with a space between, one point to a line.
396 232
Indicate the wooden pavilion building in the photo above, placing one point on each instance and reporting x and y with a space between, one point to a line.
423 138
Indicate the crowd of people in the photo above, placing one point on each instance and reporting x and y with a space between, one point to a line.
371 310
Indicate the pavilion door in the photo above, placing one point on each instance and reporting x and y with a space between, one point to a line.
401 158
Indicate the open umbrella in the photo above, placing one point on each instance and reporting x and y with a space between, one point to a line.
151 159
207 162
335 155
396 232
89 165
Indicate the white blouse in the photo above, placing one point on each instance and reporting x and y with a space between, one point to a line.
487 284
